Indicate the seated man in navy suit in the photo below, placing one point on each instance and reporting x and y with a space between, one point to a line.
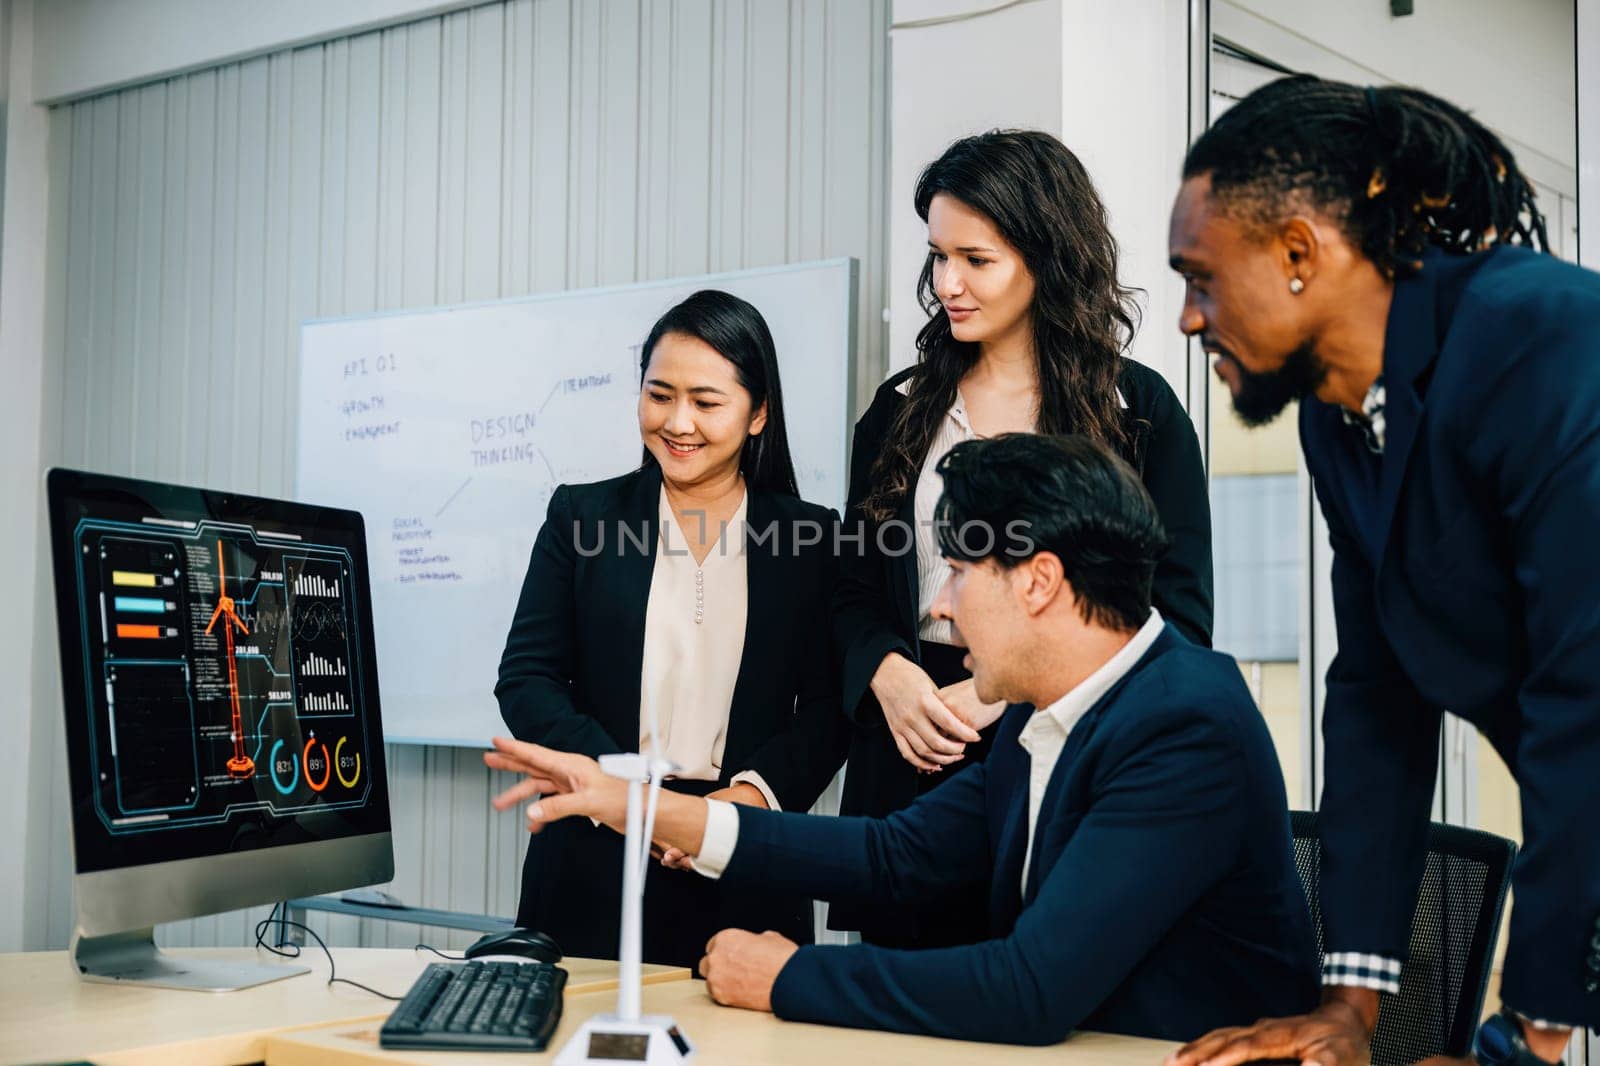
1130 823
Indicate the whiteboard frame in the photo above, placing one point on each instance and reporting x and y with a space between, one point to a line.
851 305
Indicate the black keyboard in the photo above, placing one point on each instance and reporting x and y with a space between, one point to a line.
478 1006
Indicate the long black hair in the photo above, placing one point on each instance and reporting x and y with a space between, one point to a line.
738 333
1400 168
1038 195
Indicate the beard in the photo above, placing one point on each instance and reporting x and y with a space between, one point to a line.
1263 396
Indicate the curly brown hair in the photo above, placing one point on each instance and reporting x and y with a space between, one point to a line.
1038 195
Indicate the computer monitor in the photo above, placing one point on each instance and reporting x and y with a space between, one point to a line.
224 741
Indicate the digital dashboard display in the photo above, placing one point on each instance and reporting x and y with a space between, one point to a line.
218 664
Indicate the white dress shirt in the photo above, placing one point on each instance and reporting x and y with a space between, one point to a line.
1045 735
693 645
1043 738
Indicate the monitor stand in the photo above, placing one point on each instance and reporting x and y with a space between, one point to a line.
133 958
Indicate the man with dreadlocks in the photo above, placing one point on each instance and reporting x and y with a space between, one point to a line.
1366 251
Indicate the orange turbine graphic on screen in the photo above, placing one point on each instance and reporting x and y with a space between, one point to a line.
241 765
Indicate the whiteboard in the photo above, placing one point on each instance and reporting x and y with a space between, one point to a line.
449 428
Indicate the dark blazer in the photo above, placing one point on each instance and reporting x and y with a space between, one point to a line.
875 607
1162 900
1466 577
569 679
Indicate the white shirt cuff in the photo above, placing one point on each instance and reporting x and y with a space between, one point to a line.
721 837
750 777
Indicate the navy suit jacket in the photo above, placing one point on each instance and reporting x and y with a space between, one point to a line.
1162 900
1466 577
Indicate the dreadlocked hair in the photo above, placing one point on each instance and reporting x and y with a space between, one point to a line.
1038 195
1399 168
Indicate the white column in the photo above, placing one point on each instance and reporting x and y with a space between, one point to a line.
1588 33
22 340
1125 110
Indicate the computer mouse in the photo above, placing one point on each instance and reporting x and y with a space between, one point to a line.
523 943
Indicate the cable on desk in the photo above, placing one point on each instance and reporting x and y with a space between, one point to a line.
284 922
441 954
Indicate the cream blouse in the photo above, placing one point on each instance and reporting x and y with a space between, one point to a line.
693 644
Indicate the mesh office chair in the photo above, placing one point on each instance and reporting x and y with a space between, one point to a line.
1453 937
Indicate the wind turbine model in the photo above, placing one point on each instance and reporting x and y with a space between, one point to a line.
627 1036
241 765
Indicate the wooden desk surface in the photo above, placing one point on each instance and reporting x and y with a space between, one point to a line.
47 1014
726 1037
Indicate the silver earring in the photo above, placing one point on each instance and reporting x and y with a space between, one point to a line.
1297 286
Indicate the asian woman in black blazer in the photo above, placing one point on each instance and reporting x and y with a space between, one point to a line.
700 581
1027 330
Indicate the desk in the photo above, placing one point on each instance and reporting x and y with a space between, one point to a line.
47 1014
726 1037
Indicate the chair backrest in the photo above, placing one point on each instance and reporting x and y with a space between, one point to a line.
1453 933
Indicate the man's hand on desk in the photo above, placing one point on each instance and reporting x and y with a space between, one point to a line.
1335 1034
743 792
740 968
568 785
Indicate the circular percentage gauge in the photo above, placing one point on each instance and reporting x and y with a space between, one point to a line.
272 766
338 765
327 765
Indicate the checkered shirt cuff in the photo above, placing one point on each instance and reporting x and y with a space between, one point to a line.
1362 971
1537 1023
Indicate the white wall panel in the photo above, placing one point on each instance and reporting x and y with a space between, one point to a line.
25 323
94 46
497 151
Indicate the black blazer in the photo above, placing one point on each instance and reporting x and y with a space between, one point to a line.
1162 899
569 679
875 606
1465 579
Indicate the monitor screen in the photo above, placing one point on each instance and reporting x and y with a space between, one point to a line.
217 657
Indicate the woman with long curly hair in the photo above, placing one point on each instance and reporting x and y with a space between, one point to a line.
1027 331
